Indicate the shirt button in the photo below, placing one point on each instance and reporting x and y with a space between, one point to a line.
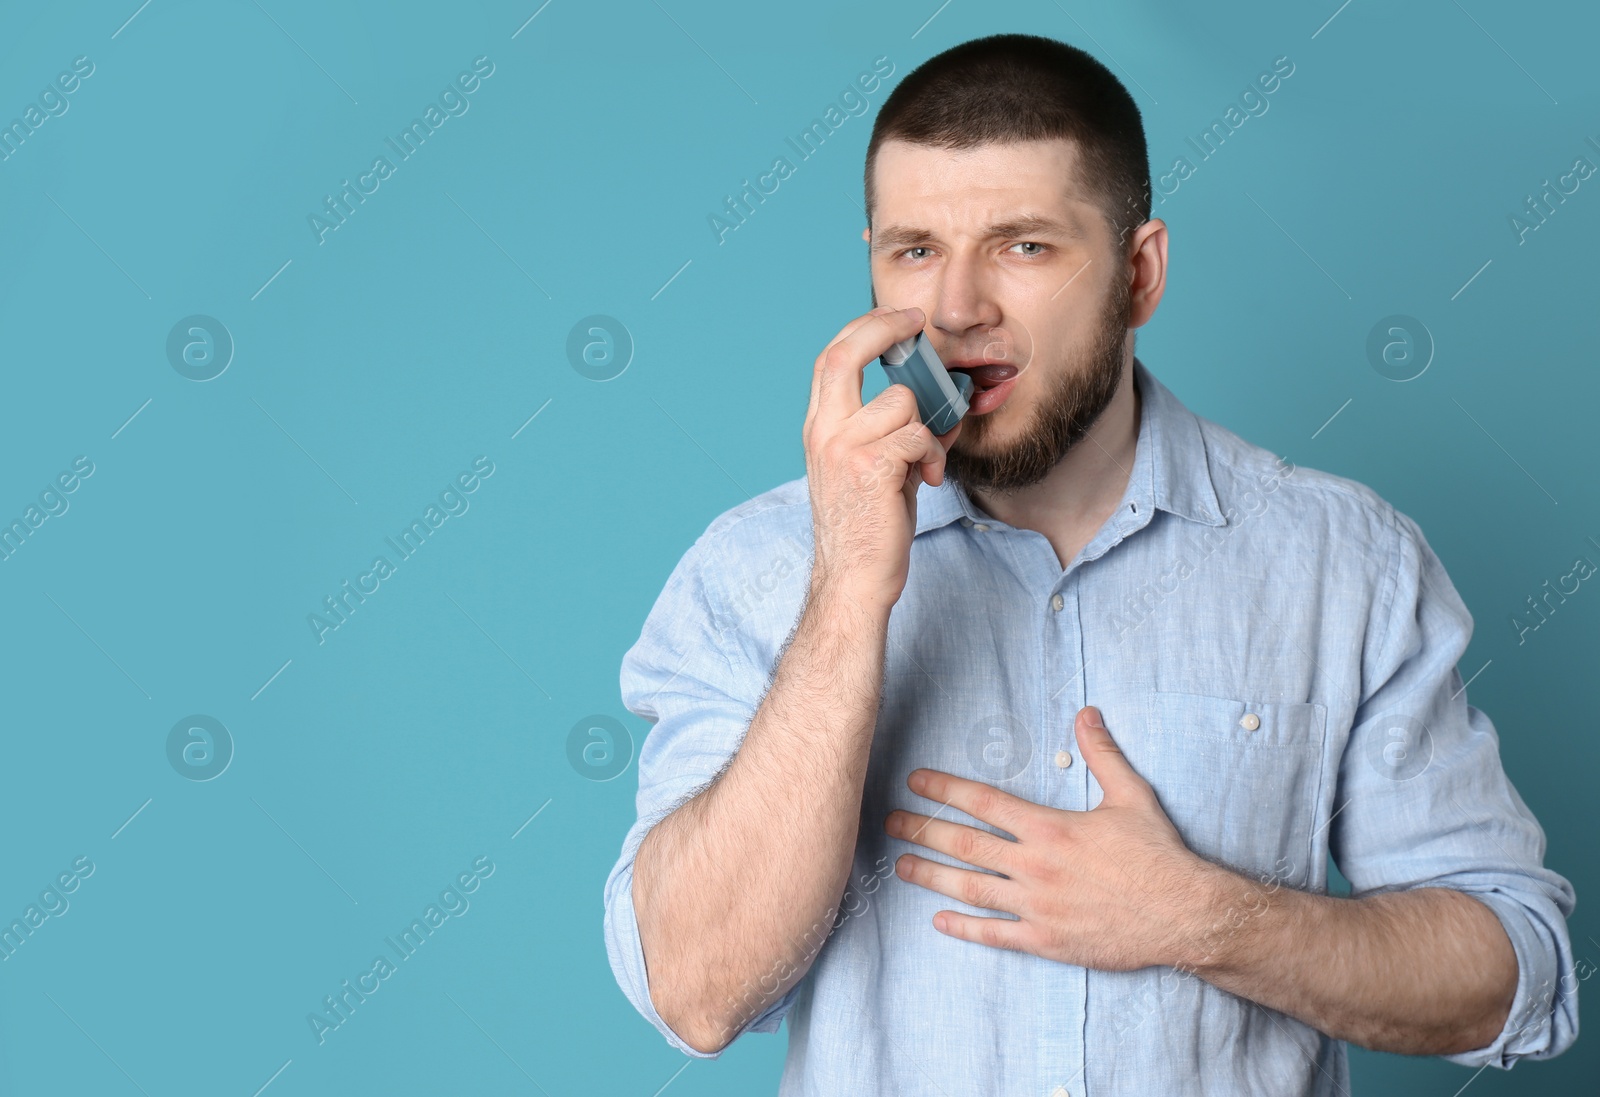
1060 1091
1250 722
1063 758
981 527
1057 602
965 521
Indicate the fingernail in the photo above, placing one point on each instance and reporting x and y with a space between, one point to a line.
915 313
1095 720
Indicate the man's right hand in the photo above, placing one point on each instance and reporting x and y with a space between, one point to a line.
864 464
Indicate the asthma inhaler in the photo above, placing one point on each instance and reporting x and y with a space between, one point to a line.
941 395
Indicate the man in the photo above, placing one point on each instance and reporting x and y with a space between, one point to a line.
1026 781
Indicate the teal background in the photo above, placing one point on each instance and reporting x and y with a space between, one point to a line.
427 330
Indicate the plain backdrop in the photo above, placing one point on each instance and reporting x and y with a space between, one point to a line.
368 767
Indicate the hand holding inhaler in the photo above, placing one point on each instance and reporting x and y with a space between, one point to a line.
865 462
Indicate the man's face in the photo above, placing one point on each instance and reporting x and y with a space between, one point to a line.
1044 301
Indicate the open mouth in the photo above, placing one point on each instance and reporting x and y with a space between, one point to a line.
991 383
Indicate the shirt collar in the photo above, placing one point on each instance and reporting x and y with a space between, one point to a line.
1170 470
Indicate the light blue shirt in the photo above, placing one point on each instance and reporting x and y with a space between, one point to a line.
1274 649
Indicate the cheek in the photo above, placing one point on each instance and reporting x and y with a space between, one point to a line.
1048 352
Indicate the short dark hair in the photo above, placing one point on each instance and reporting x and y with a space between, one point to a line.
1024 87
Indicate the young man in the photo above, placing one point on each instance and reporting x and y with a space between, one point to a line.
1026 780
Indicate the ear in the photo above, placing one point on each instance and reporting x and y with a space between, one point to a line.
866 234
1147 256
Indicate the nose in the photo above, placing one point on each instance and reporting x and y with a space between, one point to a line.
966 297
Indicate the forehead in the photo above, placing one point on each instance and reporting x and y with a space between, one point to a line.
976 185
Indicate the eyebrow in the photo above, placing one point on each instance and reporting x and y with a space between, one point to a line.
902 236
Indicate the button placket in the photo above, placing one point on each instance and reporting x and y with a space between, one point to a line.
1063 757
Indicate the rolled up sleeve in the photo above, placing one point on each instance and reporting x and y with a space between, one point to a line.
686 675
1424 800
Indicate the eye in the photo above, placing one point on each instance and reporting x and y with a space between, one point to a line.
908 251
1032 244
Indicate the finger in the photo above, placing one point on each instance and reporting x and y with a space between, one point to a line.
888 430
816 374
908 490
983 890
886 461
964 843
1106 761
841 365
1006 933
1009 813
891 409
932 470
930 465
912 445
859 320
912 442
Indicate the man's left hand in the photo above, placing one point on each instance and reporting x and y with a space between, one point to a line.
1112 888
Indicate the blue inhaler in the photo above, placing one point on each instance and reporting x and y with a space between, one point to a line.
941 395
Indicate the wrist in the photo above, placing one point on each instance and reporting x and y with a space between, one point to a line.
837 599
1222 913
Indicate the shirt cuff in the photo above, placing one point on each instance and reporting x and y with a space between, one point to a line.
1542 1020
625 950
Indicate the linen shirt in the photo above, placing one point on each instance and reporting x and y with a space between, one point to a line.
1273 648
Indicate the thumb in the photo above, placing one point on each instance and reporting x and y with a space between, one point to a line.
1105 759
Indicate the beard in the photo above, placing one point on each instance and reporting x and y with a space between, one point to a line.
1077 395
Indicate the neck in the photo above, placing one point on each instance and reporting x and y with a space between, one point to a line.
1073 501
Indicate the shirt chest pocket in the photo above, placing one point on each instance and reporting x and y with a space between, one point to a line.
1238 778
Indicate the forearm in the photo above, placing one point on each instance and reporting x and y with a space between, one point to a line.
1423 972
736 890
